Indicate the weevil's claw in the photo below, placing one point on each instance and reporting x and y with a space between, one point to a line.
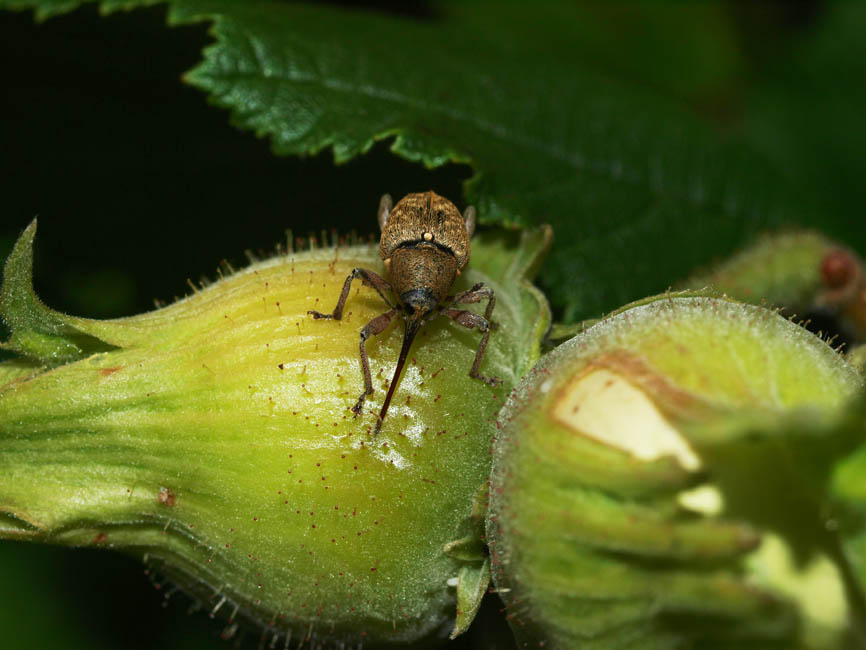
317 314
377 427
493 382
492 325
359 405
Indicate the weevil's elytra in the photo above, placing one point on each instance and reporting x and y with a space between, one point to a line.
424 246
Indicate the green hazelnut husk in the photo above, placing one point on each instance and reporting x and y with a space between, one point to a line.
777 269
215 438
801 271
660 480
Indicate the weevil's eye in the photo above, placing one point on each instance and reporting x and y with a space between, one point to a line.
428 236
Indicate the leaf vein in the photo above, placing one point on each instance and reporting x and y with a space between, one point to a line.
615 172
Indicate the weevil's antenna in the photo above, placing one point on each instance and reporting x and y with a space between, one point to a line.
413 324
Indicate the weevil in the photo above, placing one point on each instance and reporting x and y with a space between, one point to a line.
425 247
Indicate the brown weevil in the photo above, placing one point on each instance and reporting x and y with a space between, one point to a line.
425 246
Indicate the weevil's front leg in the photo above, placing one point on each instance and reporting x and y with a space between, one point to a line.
367 277
477 293
374 327
482 323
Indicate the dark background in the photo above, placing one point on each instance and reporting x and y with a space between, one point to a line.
139 185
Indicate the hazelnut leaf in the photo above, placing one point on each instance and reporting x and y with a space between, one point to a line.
608 164
472 583
38 332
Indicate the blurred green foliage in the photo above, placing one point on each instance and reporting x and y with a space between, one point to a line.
139 185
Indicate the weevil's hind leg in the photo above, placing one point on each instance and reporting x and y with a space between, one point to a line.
374 327
385 204
481 323
367 277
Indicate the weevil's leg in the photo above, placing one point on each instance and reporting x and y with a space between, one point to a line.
469 319
483 324
385 204
377 282
469 219
374 327
476 294
367 277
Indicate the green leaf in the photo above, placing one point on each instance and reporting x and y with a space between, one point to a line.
47 8
605 165
807 116
471 548
465 549
38 332
512 258
472 583
512 254
637 190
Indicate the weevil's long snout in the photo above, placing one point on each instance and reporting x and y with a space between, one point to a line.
413 323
